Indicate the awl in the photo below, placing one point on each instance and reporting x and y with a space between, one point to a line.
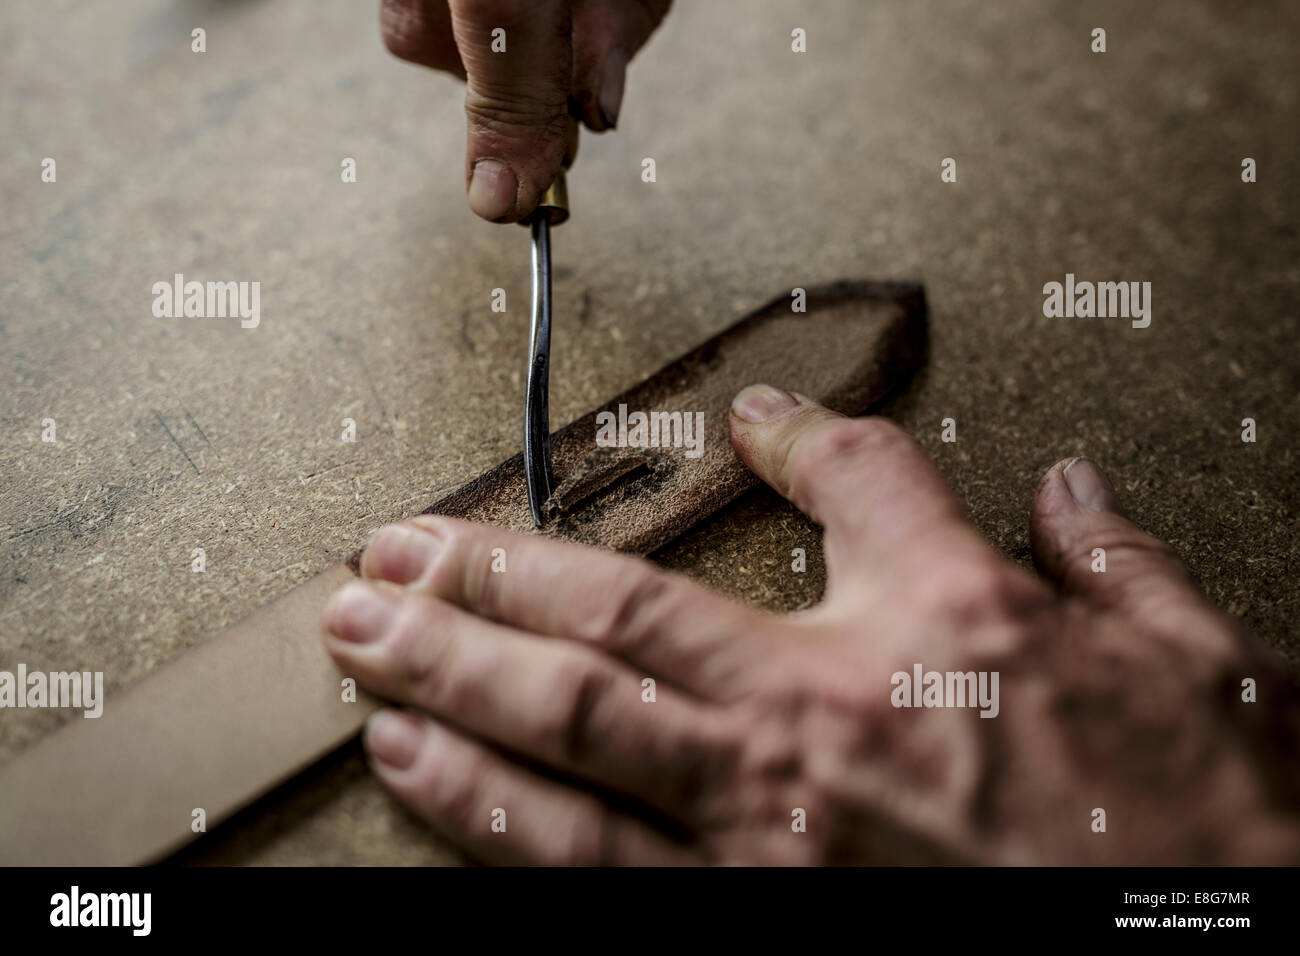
552 210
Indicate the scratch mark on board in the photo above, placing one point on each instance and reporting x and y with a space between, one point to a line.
202 433
464 333
175 442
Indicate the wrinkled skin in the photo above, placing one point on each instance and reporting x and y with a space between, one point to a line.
563 61
1119 690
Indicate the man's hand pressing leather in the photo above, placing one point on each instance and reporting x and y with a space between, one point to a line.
777 739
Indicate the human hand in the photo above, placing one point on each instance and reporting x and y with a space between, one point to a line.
1118 690
561 58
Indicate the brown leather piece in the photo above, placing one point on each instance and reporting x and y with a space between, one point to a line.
260 701
853 346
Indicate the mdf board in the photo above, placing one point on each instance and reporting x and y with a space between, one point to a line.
775 170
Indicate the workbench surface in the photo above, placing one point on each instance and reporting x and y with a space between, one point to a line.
774 170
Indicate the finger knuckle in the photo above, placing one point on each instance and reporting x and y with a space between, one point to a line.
468 555
1130 555
623 607
422 644
460 798
845 441
1153 552
587 840
973 591
573 723
537 114
710 766
456 536
836 447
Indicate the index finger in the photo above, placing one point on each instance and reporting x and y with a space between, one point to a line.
671 627
879 499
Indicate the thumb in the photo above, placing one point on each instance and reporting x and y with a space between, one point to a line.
1081 540
518 65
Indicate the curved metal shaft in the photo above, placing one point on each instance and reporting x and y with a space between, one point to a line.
537 429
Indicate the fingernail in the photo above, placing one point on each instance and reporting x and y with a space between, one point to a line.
402 552
492 189
1089 486
758 403
611 86
360 613
393 738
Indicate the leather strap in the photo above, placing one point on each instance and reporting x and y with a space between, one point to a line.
259 702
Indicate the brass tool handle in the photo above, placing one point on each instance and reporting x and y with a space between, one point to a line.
554 204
